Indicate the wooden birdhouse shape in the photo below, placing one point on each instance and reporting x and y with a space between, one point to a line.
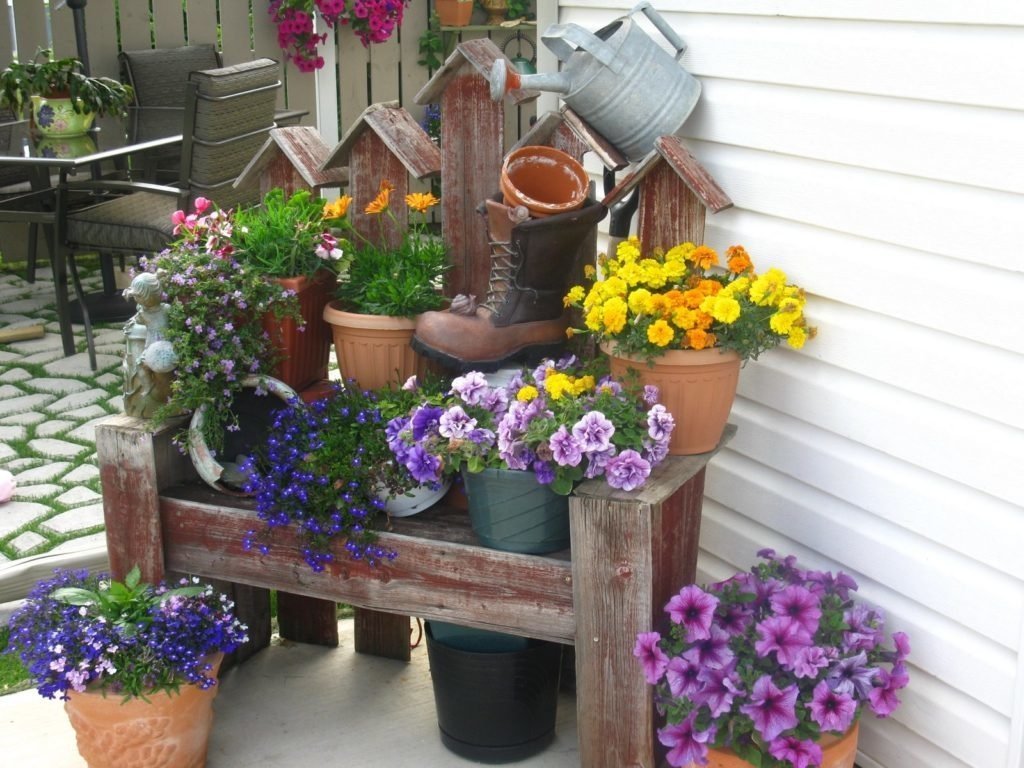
676 192
291 159
472 149
384 144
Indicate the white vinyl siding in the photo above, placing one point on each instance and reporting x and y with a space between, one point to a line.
875 152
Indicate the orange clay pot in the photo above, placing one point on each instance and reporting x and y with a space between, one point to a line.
544 179
697 386
304 354
374 349
837 752
168 731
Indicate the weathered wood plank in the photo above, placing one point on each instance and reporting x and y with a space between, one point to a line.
433 578
669 212
692 173
382 634
307 619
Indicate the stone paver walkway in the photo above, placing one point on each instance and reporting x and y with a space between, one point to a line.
49 405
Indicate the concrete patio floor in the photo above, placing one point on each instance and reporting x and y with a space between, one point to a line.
296 705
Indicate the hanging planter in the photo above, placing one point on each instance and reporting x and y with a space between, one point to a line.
254 414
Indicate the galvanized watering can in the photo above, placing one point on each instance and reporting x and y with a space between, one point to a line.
619 80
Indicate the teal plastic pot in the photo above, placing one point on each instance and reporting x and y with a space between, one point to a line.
509 510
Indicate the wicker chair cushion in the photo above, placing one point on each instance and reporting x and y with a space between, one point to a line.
139 223
219 120
159 75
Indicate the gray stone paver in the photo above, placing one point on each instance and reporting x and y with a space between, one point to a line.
13 432
78 495
106 379
54 427
18 465
45 357
57 386
89 412
75 520
15 374
87 432
9 390
7 452
26 542
75 401
93 540
30 304
79 364
29 417
40 491
24 403
8 357
81 474
50 446
43 474
47 343
14 514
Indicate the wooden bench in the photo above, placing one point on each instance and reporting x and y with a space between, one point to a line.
629 553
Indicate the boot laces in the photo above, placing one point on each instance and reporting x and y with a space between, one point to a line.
502 277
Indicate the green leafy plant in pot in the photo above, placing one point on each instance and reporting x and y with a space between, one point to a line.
45 81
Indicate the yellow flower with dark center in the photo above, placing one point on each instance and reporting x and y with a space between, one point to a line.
421 201
614 314
660 333
527 393
337 209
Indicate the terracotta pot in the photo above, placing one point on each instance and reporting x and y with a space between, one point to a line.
697 387
374 349
454 13
544 179
305 353
167 731
837 752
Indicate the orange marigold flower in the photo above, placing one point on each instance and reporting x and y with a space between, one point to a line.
704 257
710 287
738 259
675 298
699 339
338 208
421 201
693 297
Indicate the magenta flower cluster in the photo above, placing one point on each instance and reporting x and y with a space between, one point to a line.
556 420
373 21
766 662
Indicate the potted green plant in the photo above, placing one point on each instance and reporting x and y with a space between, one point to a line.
64 99
385 287
675 316
128 658
285 238
326 472
771 667
523 445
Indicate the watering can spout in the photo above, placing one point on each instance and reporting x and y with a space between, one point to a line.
504 79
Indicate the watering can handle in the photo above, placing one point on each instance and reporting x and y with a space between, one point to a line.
662 26
564 39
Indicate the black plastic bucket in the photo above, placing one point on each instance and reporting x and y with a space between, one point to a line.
495 706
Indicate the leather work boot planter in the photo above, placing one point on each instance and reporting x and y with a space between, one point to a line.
523 318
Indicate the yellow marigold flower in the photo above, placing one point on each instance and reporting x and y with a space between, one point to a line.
380 203
582 385
589 271
594 317
421 201
630 273
557 384
337 209
674 270
738 259
637 301
725 309
784 322
797 337
737 287
680 252
614 315
614 287
699 339
660 333
659 305
653 274
527 393
570 332
766 290
628 250
684 318
704 257
574 296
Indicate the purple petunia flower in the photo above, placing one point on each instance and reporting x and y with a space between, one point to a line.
681 674
565 448
686 745
882 698
651 394
785 637
425 420
652 658
455 423
832 710
799 604
798 753
660 423
594 432
772 710
694 609
809 660
852 674
424 467
719 687
471 388
627 471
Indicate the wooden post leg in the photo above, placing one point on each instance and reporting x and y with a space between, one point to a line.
628 557
307 619
382 634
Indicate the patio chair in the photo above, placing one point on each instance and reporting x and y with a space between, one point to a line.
228 114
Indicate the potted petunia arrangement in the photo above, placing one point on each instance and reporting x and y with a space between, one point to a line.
557 421
326 472
127 652
775 665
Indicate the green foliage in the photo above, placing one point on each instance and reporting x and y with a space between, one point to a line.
283 237
431 45
46 76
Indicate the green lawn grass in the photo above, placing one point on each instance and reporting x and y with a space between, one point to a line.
13 676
